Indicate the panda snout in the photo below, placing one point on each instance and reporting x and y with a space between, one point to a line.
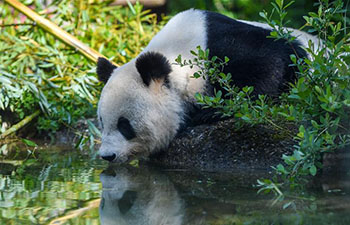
109 158
113 158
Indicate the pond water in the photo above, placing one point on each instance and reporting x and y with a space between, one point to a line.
63 186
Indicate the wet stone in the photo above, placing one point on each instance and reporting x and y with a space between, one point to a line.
218 147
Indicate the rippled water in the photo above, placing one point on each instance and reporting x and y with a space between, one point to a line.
64 186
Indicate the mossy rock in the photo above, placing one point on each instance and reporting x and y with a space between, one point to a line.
218 147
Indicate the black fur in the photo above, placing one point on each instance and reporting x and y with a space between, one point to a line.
153 66
197 115
125 128
127 201
104 69
255 60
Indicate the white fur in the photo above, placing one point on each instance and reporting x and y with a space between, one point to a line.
170 42
154 116
155 112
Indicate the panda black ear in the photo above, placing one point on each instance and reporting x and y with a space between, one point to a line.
104 69
153 66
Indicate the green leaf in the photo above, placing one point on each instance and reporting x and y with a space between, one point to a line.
246 118
313 170
29 142
263 15
245 89
226 59
274 34
288 4
93 129
312 14
134 163
178 59
285 206
293 58
131 7
347 102
279 3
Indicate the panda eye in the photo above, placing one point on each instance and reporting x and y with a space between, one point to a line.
125 128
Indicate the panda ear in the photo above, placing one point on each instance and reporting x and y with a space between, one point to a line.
153 66
104 69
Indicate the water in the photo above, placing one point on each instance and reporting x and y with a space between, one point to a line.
64 186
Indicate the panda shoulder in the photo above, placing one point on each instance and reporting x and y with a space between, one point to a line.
186 17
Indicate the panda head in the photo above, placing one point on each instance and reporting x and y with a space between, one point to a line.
139 111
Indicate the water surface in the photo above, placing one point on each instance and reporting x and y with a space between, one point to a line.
64 186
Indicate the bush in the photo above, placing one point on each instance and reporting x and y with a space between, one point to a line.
318 102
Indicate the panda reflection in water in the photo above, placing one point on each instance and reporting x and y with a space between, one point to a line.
145 102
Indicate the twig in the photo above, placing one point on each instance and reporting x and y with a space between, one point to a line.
17 24
72 214
19 125
57 31
12 162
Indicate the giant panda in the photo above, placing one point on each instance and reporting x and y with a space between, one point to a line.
146 102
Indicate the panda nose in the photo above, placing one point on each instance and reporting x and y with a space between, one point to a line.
109 158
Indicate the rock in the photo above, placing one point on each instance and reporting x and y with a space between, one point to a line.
218 147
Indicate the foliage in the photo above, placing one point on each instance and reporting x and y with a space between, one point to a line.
48 184
318 101
242 9
40 72
236 102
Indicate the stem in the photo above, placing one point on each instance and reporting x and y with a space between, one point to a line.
56 31
19 125
12 162
17 24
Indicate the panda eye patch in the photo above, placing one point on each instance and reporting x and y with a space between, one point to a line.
125 128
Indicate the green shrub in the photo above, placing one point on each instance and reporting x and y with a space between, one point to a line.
318 102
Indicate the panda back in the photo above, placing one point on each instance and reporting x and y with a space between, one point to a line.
255 60
184 32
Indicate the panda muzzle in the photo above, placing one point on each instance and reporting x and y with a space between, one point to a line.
113 158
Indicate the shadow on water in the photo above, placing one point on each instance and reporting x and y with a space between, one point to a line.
62 186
